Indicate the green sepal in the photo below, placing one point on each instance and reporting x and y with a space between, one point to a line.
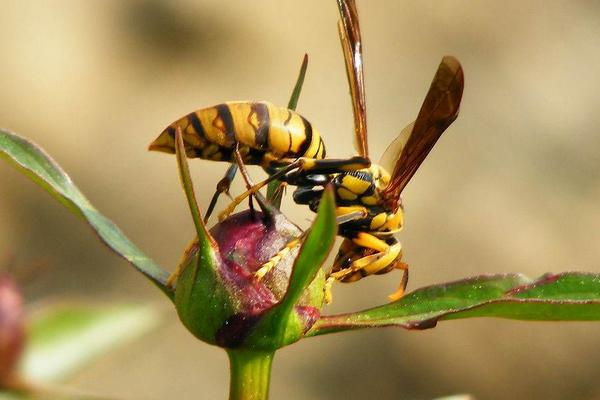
188 188
202 301
284 323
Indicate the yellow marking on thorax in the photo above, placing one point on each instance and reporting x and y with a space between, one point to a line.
394 221
345 194
369 200
354 184
378 221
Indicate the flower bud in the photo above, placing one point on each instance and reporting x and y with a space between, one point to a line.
221 300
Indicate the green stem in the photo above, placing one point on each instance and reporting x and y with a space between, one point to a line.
250 374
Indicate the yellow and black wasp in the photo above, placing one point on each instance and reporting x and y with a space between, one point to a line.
369 246
251 133
263 133
368 202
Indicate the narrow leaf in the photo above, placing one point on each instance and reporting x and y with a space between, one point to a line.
569 296
293 103
64 338
30 159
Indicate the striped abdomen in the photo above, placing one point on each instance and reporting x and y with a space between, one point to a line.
263 131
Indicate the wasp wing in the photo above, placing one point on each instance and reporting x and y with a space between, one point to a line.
392 153
439 110
349 30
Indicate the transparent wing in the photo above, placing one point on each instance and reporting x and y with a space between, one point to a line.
349 30
439 110
393 151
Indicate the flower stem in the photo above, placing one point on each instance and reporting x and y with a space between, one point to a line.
250 374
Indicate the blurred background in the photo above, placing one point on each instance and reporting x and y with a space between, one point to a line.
513 186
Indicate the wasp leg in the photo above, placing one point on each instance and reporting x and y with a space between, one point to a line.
399 293
253 189
350 213
245 175
269 211
222 187
266 267
240 162
301 164
386 256
324 166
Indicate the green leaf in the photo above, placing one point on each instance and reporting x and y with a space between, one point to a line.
63 338
37 165
569 296
200 299
203 303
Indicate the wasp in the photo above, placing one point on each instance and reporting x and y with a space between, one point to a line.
263 133
368 196
249 133
374 192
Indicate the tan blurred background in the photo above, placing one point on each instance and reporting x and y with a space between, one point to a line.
513 186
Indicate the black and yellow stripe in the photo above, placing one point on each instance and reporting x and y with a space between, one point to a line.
362 186
263 132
